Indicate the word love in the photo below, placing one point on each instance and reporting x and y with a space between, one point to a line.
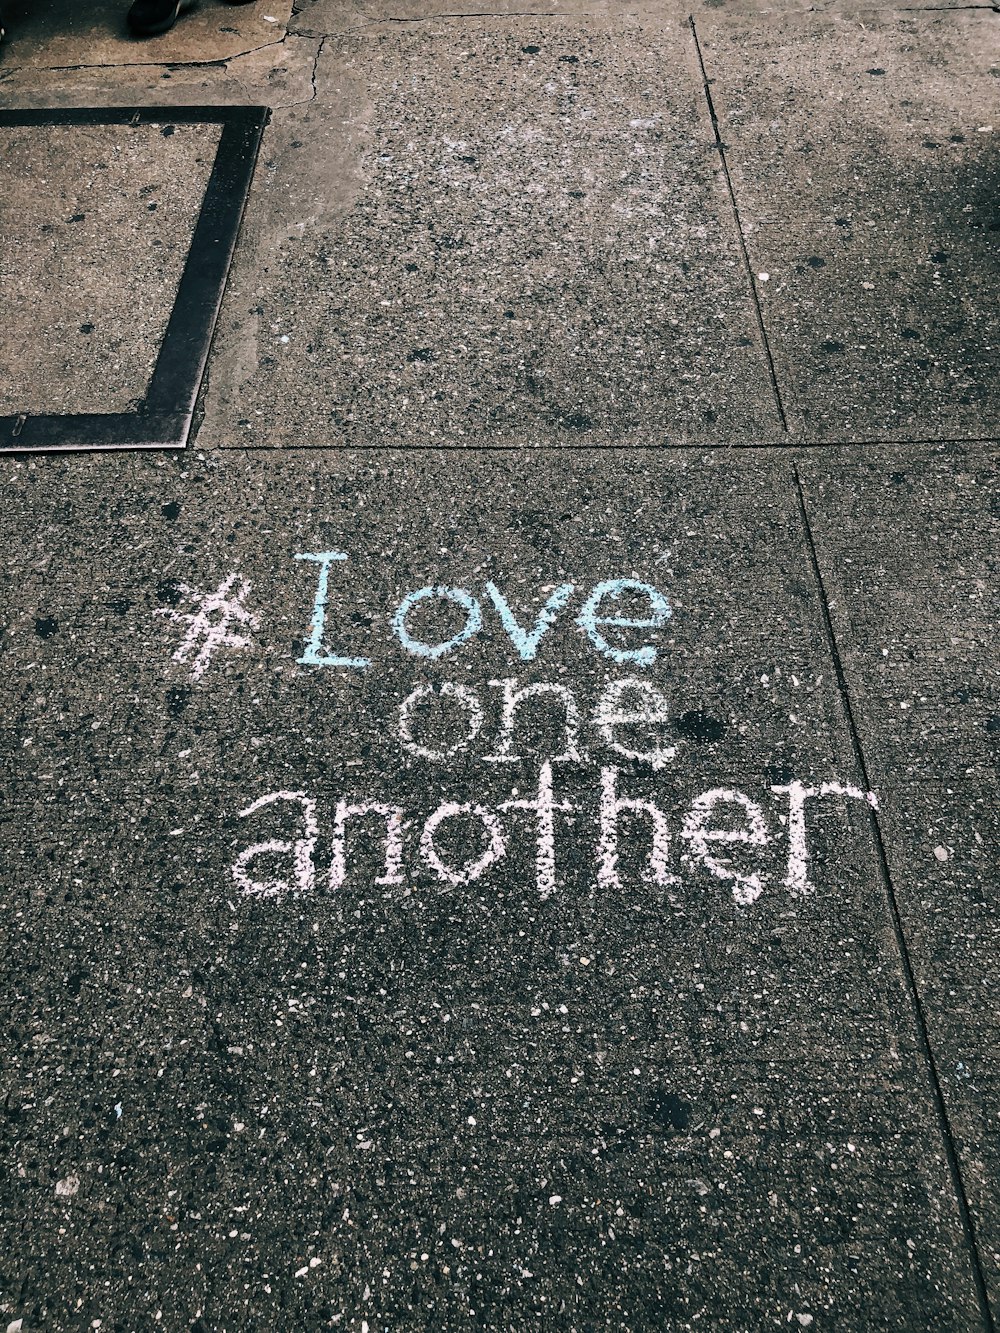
593 618
717 825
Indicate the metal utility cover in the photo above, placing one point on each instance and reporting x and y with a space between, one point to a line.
150 202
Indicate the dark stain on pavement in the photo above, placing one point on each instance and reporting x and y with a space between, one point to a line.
700 727
177 698
576 421
75 980
667 1110
168 590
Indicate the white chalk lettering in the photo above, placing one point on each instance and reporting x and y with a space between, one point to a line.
797 878
303 876
394 825
512 697
707 835
211 626
544 807
473 711
470 870
746 888
612 806
651 710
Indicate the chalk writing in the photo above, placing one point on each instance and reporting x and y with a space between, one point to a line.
526 642
623 707
303 871
513 698
723 832
747 888
469 702
210 627
473 620
707 833
496 847
315 654
592 622
797 879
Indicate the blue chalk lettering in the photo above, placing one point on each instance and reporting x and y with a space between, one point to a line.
590 621
525 643
314 654
473 620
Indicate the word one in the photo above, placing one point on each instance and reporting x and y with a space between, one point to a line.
718 823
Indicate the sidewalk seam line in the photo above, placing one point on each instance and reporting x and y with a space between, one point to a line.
721 150
778 447
923 1034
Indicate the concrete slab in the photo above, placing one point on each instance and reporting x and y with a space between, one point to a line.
32 89
327 17
862 153
908 549
44 34
274 76
525 1074
97 223
490 232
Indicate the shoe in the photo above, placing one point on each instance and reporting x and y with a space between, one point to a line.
148 18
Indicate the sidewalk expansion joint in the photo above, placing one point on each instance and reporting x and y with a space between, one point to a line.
888 885
478 14
783 446
748 268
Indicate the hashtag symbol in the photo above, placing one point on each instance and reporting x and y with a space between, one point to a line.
211 626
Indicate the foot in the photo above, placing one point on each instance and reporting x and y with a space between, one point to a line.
148 18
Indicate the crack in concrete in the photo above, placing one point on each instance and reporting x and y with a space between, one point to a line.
222 63
251 93
117 64
794 447
312 78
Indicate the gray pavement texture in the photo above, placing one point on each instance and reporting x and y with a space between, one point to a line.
502 831
93 323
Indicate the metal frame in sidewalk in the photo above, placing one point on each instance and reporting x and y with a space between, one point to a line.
163 419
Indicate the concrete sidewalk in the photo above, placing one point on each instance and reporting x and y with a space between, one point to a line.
502 827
